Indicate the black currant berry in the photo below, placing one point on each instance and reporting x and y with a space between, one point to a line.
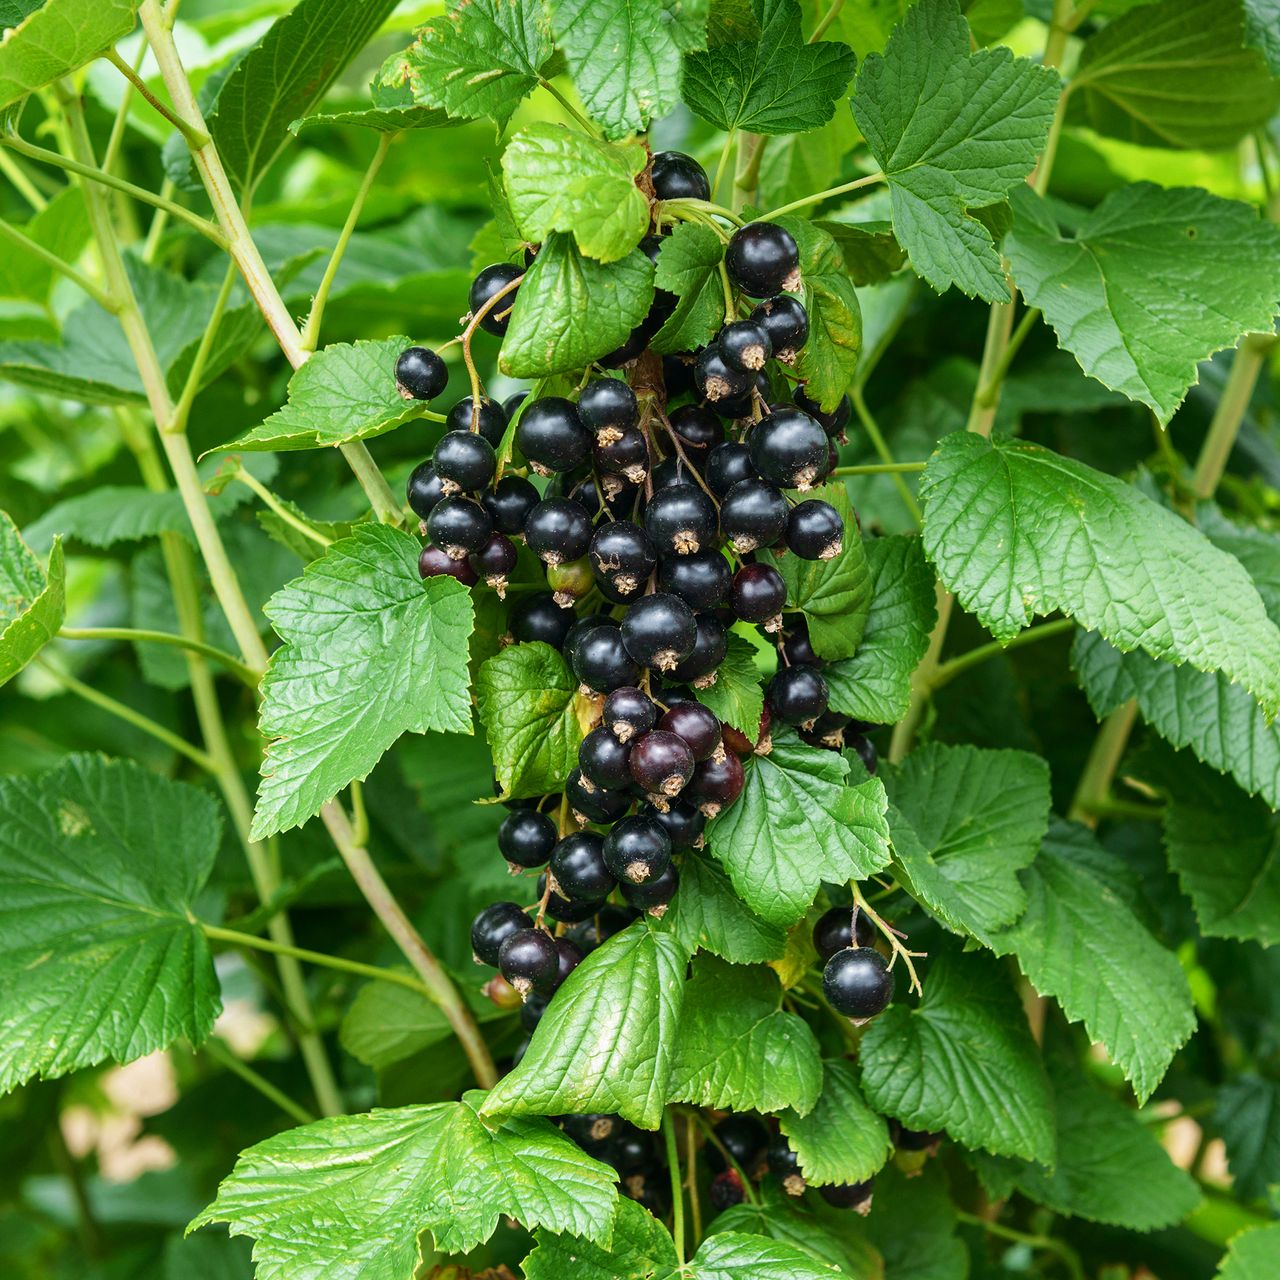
623 557
581 626
526 838
607 407
628 712
659 631
709 648
740 406
848 1195
661 763
912 1139
490 422
700 430
652 895
786 322
464 461
672 471
865 748
798 695
490 281
785 1165
815 530
680 820
459 525
558 530
840 928
696 724
716 379
726 1190
531 1012
857 983
758 594
420 374
753 514
493 926
726 465
424 489
551 436
833 422
632 1152
580 869
508 503
745 345
529 960
680 518
789 449
677 375
592 933
763 259
637 849
701 580
594 804
513 402
676 176
539 618
626 456
743 1137
567 910
797 647
592 1132
435 562
600 660
570 581
717 782
603 760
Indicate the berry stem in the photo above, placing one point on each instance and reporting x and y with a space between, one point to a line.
224 1056
677 1190
589 125
136 636
26 245
892 936
468 333
274 504
818 196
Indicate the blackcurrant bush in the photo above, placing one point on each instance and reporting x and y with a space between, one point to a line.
607 406
538 617
786 322
464 461
857 983
789 449
726 465
680 820
661 763
699 430
848 1195
797 647
709 648
745 345
490 422
459 525
758 594
558 530
637 849
763 259
552 437
424 489
680 518
493 926
435 561
798 695
701 580
601 661
567 910
652 895
529 961
716 379
717 782
785 1165
833 422
420 374
865 748
696 724
815 530
659 631
840 928
603 760
626 456
726 1190
623 556
490 281
526 838
579 868
628 712
753 514
508 503
743 1137
676 176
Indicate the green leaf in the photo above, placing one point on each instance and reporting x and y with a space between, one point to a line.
371 651
834 595
963 1060
707 914
100 863
1148 284
736 1048
965 821
1174 74
571 310
1262 30
345 392
688 266
736 697
829 358
841 1140
527 700
774 84
62 227
623 59
1254 1255
1248 1118
953 131
870 250
641 1249
913 1225
60 36
1218 720
608 1041
1015 531
347 1197
734 1255
797 823
1080 943
33 602
380 119
559 180
875 684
